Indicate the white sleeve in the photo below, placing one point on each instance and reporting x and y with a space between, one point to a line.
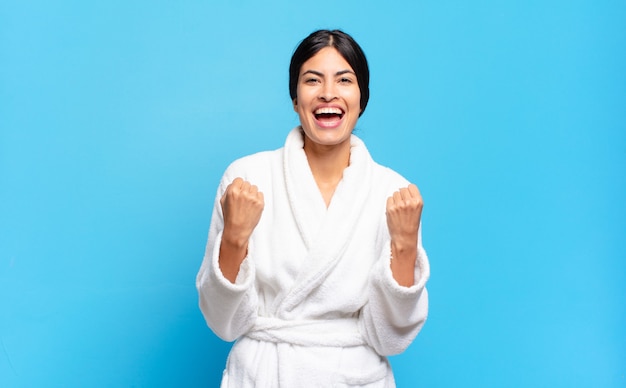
394 315
229 309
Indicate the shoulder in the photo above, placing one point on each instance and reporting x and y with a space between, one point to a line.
253 167
387 179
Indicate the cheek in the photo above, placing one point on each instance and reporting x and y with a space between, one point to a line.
355 96
356 100
299 100
303 94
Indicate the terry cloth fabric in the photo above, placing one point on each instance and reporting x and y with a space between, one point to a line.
314 303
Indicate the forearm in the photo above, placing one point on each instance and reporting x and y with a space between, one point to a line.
404 211
403 258
242 205
232 253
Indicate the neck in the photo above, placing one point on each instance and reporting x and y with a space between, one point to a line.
327 164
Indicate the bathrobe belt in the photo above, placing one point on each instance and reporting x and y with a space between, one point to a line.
341 332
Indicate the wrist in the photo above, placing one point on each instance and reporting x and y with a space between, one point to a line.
230 257
404 249
402 264
235 240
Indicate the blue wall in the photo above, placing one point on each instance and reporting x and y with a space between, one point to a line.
117 119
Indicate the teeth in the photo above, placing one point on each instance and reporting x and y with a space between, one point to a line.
336 111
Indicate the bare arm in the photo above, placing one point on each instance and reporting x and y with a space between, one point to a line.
404 212
242 205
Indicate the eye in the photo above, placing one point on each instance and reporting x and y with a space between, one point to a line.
311 80
345 80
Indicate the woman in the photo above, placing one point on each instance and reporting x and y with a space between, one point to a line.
314 261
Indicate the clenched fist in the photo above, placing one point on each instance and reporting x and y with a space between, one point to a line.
404 212
242 206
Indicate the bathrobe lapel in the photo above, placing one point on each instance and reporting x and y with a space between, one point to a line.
326 232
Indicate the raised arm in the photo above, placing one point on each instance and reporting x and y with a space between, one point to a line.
225 281
397 298
242 205
404 212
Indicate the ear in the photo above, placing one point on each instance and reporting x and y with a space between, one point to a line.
295 104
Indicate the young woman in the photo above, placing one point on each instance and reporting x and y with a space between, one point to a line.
314 261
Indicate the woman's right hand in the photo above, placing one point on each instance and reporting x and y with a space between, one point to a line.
242 206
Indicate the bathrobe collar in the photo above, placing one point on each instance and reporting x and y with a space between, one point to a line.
325 232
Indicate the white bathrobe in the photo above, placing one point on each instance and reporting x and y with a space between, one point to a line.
314 303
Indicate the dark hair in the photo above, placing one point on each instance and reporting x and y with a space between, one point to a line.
345 45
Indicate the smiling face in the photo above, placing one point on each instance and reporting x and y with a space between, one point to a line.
327 99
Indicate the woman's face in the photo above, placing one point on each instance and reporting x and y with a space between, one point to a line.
328 98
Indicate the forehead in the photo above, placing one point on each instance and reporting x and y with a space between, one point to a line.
327 59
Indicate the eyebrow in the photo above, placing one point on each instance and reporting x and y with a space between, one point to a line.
320 74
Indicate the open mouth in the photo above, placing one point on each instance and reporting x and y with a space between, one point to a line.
328 114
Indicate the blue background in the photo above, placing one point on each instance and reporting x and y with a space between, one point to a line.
118 118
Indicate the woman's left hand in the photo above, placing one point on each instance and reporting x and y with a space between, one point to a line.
404 212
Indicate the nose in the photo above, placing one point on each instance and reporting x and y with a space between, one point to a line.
328 92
